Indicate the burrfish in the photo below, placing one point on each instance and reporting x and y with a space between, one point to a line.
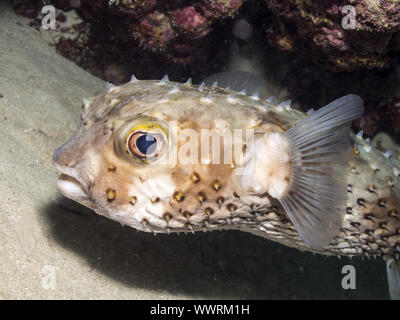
162 157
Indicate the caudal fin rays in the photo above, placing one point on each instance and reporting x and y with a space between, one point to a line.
393 274
318 150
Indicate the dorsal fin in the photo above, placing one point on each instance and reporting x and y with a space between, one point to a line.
235 80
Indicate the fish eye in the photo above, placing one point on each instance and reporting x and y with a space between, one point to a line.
143 140
145 145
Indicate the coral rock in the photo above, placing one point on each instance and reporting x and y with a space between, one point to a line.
329 32
216 9
154 31
133 6
190 22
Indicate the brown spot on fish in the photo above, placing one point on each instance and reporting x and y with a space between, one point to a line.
220 201
216 185
178 196
201 196
110 194
382 203
390 182
155 199
187 214
361 202
111 168
231 207
369 216
133 200
167 216
382 225
372 189
393 213
208 211
354 170
195 177
355 224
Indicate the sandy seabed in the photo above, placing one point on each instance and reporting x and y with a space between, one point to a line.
52 248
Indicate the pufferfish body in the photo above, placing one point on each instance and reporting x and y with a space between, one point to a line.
163 157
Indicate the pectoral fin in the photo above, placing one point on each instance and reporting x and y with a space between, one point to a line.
393 274
318 152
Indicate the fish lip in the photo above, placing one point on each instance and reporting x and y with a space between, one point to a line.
70 173
72 188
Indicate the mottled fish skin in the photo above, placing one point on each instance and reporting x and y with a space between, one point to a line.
188 198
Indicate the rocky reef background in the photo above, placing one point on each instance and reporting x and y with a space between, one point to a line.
91 257
304 46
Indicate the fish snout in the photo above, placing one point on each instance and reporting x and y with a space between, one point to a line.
63 157
72 182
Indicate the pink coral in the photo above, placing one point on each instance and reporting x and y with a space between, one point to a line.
165 25
190 22
154 31
173 26
335 38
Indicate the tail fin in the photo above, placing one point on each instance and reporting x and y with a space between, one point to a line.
318 149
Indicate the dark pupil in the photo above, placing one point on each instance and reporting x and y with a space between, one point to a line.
146 144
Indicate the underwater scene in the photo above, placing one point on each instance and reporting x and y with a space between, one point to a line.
200 149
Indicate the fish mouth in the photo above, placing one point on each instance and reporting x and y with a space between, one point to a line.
72 188
72 183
